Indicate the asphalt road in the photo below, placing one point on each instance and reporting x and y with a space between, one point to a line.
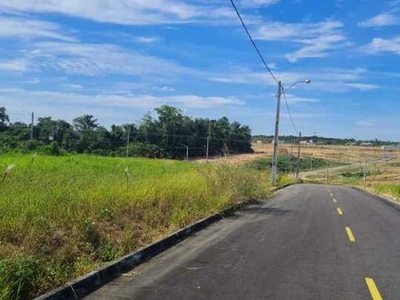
297 245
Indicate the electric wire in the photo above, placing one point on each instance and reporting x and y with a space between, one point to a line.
288 110
252 41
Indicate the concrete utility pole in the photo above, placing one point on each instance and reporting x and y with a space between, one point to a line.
32 123
365 175
208 148
278 108
275 154
298 158
187 153
327 173
127 143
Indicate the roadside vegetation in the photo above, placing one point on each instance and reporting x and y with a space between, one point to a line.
288 163
62 217
381 177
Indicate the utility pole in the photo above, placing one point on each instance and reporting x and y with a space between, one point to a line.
327 173
208 141
208 148
298 158
187 153
127 143
365 175
275 154
32 123
291 158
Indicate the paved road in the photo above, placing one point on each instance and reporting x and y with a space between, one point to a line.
296 246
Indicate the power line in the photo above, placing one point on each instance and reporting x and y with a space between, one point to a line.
252 41
288 110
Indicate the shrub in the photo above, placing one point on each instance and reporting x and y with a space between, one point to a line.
18 276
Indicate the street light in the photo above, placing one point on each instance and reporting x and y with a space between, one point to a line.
307 81
278 108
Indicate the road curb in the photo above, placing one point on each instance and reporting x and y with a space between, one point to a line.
90 282
384 198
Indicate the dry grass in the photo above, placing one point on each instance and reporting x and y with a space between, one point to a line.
343 154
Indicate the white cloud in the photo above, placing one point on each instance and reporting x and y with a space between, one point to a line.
100 59
295 99
146 40
385 19
363 86
383 45
20 27
318 39
332 80
126 12
113 100
14 66
258 3
366 123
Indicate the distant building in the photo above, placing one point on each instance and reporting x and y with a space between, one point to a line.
279 142
390 148
366 144
259 142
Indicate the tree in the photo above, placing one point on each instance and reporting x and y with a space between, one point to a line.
85 122
85 127
3 119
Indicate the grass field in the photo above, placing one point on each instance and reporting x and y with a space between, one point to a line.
343 154
62 217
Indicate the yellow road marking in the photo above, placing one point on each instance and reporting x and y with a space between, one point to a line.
373 289
340 211
334 200
350 234
331 194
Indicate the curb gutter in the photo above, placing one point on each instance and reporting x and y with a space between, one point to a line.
92 281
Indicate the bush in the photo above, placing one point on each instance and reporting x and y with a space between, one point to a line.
53 149
18 277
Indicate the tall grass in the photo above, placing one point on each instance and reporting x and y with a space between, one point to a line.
389 189
62 217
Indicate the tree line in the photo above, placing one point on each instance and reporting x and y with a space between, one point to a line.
168 135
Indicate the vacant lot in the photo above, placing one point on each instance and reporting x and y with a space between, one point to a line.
343 154
62 217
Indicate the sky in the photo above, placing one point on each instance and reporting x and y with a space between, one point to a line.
119 59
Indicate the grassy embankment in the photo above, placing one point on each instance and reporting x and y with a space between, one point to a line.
62 217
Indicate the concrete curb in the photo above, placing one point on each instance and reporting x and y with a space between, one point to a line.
385 198
88 283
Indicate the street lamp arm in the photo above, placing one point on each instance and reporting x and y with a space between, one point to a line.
300 81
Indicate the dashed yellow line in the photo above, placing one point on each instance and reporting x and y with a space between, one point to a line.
334 200
340 211
373 289
350 235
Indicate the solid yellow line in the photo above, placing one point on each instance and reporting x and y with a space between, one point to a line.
350 234
340 211
373 289
334 200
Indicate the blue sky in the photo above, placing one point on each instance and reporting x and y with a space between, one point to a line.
118 59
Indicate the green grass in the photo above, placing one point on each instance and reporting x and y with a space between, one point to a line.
390 189
62 217
286 163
